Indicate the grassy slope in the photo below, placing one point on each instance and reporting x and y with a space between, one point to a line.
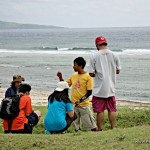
132 129
127 139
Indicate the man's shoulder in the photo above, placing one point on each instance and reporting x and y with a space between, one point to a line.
9 89
87 74
74 74
87 77
9 92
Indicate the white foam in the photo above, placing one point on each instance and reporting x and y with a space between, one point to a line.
63 49
67 51
7 65
136 52
60 51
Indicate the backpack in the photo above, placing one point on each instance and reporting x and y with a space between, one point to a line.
9 108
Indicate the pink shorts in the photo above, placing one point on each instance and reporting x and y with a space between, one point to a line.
101 104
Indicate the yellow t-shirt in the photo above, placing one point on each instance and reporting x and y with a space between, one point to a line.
80 84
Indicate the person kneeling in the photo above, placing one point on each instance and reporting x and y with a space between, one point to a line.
27 118
60 114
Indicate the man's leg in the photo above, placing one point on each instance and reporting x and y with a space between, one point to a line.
33 119
87 119
76 123
111 116
38 114
100 119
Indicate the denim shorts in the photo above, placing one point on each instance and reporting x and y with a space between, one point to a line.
32 121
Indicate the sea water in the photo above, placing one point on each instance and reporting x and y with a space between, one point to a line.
39 54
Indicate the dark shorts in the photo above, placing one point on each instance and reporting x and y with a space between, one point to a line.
32 121
101 104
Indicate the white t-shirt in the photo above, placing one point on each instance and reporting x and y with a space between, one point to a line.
104 64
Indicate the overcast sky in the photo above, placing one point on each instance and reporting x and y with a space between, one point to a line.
77 13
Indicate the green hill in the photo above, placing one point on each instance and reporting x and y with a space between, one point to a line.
14 25
131 133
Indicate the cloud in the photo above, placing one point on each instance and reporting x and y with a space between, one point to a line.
77 13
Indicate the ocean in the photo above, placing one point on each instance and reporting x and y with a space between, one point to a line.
37 54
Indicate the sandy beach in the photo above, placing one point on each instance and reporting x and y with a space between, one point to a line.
40 99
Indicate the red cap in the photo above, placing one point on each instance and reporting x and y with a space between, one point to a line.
99 40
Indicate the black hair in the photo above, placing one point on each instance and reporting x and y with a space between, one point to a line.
24 88
60 96
14 87
80 61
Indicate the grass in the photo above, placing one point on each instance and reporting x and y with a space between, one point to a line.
132 133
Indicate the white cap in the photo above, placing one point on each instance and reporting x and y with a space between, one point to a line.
61 86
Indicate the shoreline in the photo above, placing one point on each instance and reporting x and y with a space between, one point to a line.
40 71
132 103
39 98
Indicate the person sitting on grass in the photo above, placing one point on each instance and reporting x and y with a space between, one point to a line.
60 112
15 84
27 118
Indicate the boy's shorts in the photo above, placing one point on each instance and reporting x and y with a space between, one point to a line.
32 121
85 115
101 104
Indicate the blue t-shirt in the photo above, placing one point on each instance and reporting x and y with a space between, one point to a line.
55 117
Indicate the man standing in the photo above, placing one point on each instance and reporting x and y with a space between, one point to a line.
104 65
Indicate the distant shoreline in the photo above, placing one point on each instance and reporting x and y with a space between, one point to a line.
17 25
14 25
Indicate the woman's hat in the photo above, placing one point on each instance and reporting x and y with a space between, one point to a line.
61 86
18 78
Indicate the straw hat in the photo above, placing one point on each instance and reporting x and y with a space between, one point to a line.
18 78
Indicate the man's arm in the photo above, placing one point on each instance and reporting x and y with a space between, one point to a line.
92 74
71 113
89 92
118 65
117 71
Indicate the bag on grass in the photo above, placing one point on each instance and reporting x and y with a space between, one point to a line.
9 108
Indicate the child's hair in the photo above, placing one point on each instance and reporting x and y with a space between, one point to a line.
80 61
24 88
60 96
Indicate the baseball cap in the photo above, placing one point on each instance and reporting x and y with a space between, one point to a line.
61 86
99 40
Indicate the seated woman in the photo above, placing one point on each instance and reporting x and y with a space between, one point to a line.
15 84
60 112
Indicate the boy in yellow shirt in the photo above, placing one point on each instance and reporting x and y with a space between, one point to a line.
82 85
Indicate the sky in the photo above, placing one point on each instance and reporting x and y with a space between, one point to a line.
77 13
